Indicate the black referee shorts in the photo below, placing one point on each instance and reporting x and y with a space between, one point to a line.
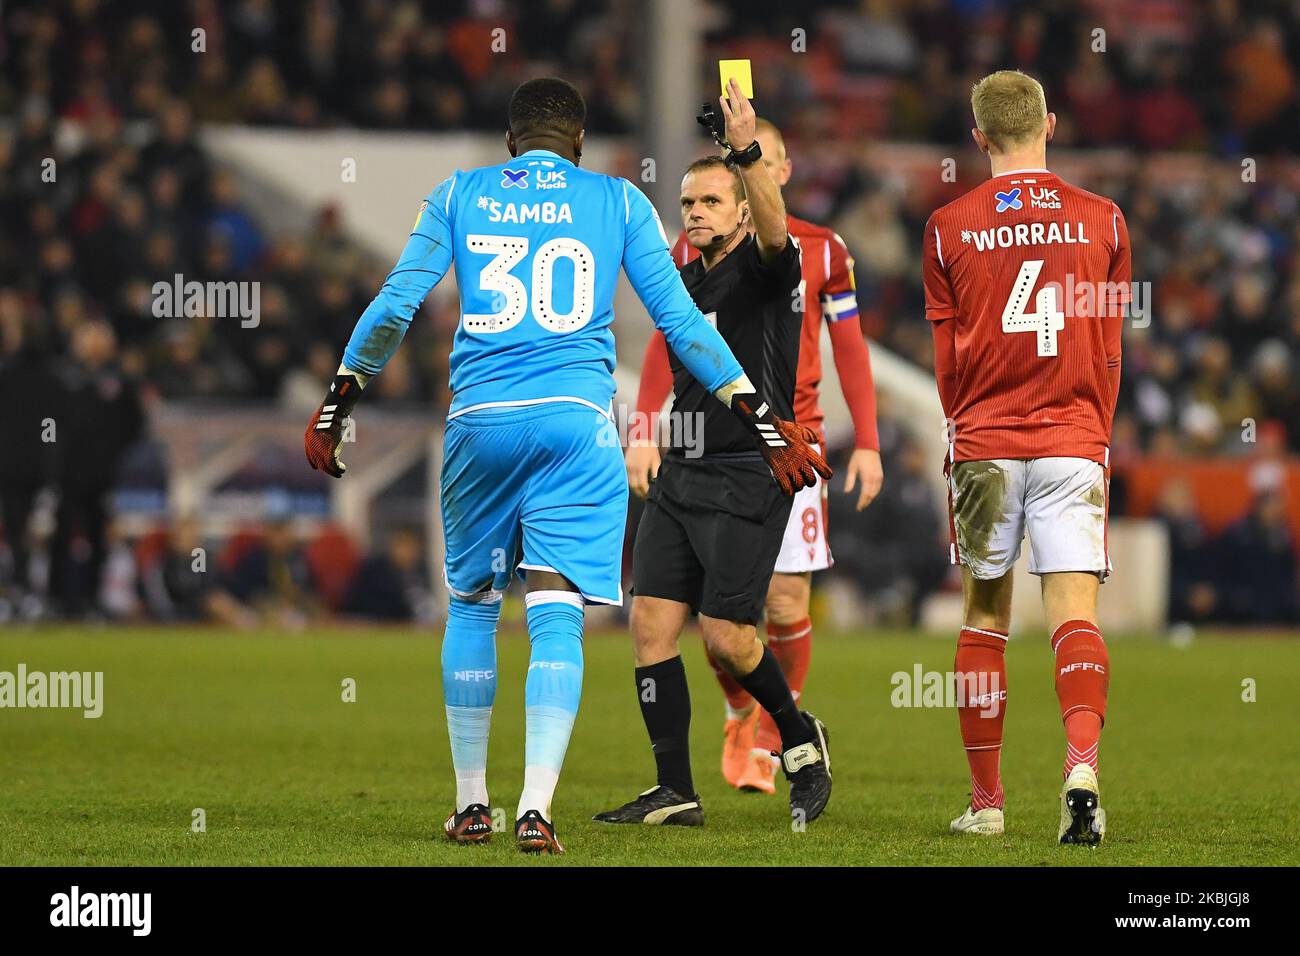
709 537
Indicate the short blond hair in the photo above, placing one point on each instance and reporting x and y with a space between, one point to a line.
1010 107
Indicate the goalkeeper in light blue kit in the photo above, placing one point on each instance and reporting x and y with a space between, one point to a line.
533 481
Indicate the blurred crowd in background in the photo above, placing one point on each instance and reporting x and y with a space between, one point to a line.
1217 75
114 93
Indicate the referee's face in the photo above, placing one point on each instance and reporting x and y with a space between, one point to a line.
709 206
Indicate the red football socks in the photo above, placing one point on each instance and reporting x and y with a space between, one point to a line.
1082 681
981 668
738 699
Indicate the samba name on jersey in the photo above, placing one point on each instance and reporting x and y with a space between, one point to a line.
547 212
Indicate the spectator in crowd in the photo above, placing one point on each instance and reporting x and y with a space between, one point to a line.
119 593
1259 559
1220 388
1194 558
271 584
1263 83
177 585
393 584
98 416
1163 115
232 223
29 399
1279 395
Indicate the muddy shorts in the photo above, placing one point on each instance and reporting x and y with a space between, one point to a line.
1061 502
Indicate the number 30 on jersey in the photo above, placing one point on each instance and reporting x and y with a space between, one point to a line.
509 251
1046 321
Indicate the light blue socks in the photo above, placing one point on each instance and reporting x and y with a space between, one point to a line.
552 692
469 686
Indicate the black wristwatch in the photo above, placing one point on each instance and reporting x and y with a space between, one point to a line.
746 157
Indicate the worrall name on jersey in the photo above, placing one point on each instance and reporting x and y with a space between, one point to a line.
1025 234
522 212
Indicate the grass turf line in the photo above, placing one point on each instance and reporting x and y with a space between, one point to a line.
253 730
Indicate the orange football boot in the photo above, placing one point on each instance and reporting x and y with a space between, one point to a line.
760 772
738 740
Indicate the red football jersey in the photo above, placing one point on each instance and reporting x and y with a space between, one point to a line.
828 293
1035 273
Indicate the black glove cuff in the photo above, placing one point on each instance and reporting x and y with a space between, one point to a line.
343 395
756 415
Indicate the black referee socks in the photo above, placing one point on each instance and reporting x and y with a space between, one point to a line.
767 685
666 709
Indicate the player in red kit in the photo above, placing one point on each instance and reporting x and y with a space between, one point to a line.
1026 280
827 292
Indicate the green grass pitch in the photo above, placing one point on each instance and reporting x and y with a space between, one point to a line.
253 730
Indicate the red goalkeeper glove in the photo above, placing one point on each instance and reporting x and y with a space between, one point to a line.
324 435
786 446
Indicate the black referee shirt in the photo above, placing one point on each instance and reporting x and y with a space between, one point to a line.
754 305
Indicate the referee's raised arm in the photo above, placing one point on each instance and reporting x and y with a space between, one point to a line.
766 206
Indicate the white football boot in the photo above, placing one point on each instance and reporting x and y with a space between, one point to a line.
1082 818
988 821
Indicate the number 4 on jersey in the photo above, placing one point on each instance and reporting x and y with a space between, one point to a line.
1046 322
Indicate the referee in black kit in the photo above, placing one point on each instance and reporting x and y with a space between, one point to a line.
713 524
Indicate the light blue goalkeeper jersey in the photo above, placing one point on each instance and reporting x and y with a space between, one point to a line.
538 244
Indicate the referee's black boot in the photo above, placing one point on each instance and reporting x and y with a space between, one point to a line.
808 768
659 806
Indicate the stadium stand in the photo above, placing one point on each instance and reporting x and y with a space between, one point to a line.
113 97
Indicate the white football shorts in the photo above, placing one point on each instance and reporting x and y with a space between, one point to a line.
1061 502
804 547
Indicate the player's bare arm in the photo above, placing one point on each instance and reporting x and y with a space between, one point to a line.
944 333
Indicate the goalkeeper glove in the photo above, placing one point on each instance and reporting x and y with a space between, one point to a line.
324 434
786 446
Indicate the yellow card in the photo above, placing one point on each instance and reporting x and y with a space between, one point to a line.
739 71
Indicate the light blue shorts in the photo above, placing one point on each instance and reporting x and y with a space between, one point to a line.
539 488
